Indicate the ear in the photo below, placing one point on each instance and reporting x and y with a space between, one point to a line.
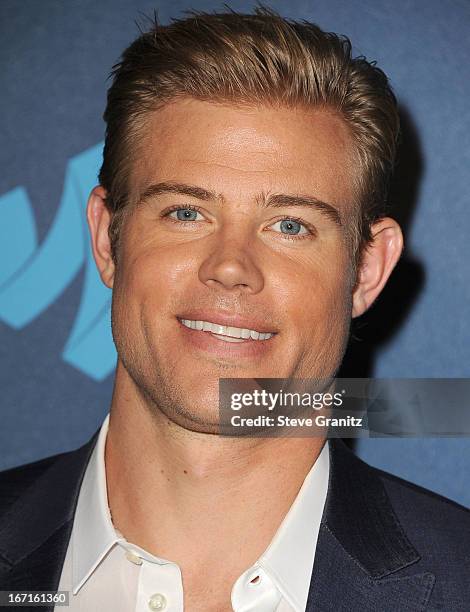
378 260
99 218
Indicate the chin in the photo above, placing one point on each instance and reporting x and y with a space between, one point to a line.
191 409
196 419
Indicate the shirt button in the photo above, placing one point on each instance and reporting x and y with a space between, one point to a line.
157 602
133 557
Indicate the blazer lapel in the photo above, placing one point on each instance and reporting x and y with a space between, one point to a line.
364 560
35 533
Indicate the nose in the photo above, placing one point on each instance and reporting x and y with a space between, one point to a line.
230 264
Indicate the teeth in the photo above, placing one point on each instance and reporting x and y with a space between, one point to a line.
228 338
237 334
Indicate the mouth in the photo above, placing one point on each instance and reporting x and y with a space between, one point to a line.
227 333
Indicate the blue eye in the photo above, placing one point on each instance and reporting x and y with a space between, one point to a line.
290 226
184 214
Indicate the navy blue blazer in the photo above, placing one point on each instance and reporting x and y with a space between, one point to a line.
385 545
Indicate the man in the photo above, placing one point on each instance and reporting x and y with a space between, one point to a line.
240 222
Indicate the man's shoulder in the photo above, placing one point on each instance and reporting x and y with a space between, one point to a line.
433 523
57 474
415 501
412 503
16 480
397 531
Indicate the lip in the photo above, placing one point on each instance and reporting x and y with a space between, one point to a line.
228 319
208 343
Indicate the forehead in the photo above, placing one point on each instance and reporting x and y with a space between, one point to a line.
242 151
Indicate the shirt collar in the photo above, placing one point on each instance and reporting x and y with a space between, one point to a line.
288 559
93 533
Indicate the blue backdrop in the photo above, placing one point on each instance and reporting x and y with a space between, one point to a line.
56 350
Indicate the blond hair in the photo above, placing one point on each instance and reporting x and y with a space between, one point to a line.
260 59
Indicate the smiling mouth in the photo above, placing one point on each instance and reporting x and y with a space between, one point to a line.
227 333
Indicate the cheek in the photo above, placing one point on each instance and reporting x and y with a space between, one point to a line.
315 292
336 303
323 316
154 272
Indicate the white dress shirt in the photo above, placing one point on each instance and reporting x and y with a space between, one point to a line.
103 571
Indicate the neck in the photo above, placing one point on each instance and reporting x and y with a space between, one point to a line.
192 497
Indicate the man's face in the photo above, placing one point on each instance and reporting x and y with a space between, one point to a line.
242 222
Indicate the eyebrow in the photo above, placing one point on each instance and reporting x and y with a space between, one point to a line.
273 201
302 201
179 188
